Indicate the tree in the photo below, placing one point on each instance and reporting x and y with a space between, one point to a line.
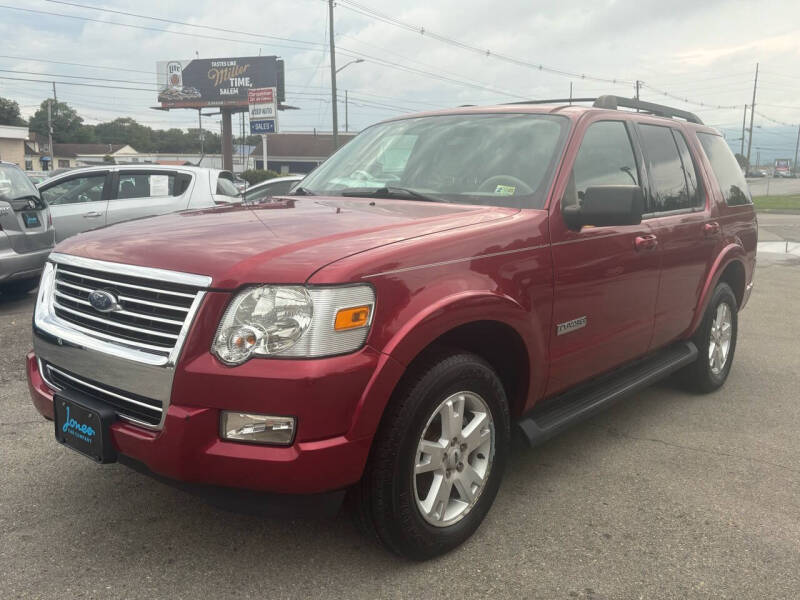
742 160
67 125
125 131
9 113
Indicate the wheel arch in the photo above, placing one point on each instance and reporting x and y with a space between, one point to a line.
506 340
728 267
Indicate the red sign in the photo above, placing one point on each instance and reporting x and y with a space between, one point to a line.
260 96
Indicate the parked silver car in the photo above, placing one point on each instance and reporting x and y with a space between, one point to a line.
26 231
93 197
277 186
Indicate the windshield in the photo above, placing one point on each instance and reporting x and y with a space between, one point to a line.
14 183
491 159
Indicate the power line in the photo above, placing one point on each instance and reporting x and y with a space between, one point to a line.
185 24
368 12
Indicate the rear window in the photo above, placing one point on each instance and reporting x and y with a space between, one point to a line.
729 175
225 187
15 184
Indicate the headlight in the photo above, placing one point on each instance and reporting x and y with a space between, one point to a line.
294 322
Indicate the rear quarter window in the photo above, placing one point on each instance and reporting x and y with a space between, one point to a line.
729 175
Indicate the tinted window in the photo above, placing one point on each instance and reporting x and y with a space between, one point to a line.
605 158
146 185
667 182
727 171
689 170
76 190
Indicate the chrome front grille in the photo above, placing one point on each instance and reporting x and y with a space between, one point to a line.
125 357
129 407
152 315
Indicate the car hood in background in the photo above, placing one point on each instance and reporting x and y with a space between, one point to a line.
285 241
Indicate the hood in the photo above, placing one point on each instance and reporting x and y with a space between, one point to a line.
281 242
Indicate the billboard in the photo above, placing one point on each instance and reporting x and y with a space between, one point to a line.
216 81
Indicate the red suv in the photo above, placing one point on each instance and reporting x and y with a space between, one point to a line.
441 278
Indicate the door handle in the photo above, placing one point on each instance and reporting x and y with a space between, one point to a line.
711 228
645 242
93 214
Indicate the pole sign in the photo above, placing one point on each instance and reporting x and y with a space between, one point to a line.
217 81
263 110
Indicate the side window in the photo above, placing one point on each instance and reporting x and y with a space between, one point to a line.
76 190
727 171
667 181
146 185
604 158
689 170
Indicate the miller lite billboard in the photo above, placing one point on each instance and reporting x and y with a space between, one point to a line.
216 81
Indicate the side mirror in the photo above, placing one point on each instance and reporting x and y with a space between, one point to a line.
605 205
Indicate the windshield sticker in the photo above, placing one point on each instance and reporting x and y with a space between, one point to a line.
505 190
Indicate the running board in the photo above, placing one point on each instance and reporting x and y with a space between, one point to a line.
560 412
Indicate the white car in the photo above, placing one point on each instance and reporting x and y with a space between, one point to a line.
84 199
277 186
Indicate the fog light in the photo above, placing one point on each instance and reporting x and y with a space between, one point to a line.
257 429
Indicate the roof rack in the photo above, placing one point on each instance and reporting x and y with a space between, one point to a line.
616 102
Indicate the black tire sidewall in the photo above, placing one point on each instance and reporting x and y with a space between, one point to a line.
707 380
412 535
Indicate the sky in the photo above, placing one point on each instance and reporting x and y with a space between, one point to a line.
419 55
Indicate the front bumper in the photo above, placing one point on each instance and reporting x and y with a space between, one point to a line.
336 395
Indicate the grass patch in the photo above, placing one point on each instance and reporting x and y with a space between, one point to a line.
790 202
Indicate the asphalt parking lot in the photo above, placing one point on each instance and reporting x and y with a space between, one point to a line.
666 495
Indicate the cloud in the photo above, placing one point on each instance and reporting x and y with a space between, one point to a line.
700 50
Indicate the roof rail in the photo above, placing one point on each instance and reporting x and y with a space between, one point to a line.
616 102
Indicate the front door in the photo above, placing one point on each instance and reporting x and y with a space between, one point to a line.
606 278
77 203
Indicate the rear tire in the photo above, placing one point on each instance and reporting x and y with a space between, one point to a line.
716 342
437 459
18 287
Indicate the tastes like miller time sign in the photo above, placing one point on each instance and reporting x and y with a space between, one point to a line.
216 81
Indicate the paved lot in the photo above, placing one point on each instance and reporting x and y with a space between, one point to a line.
667 495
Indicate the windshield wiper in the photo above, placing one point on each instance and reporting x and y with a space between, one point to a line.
301 191
389 191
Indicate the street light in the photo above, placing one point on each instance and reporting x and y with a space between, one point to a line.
352 62
346 119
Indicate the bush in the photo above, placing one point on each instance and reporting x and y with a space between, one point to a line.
254 176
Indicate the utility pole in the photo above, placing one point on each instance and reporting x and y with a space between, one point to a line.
50 132
752 113
346 118
264 151
570 93
333 78
796 148
227 141
744 120
55 98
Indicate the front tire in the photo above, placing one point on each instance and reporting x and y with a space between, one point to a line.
716 342
437 459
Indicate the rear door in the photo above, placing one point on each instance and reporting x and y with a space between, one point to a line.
679 215
145 193
78 202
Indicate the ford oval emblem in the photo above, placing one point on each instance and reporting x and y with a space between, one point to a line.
103 301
